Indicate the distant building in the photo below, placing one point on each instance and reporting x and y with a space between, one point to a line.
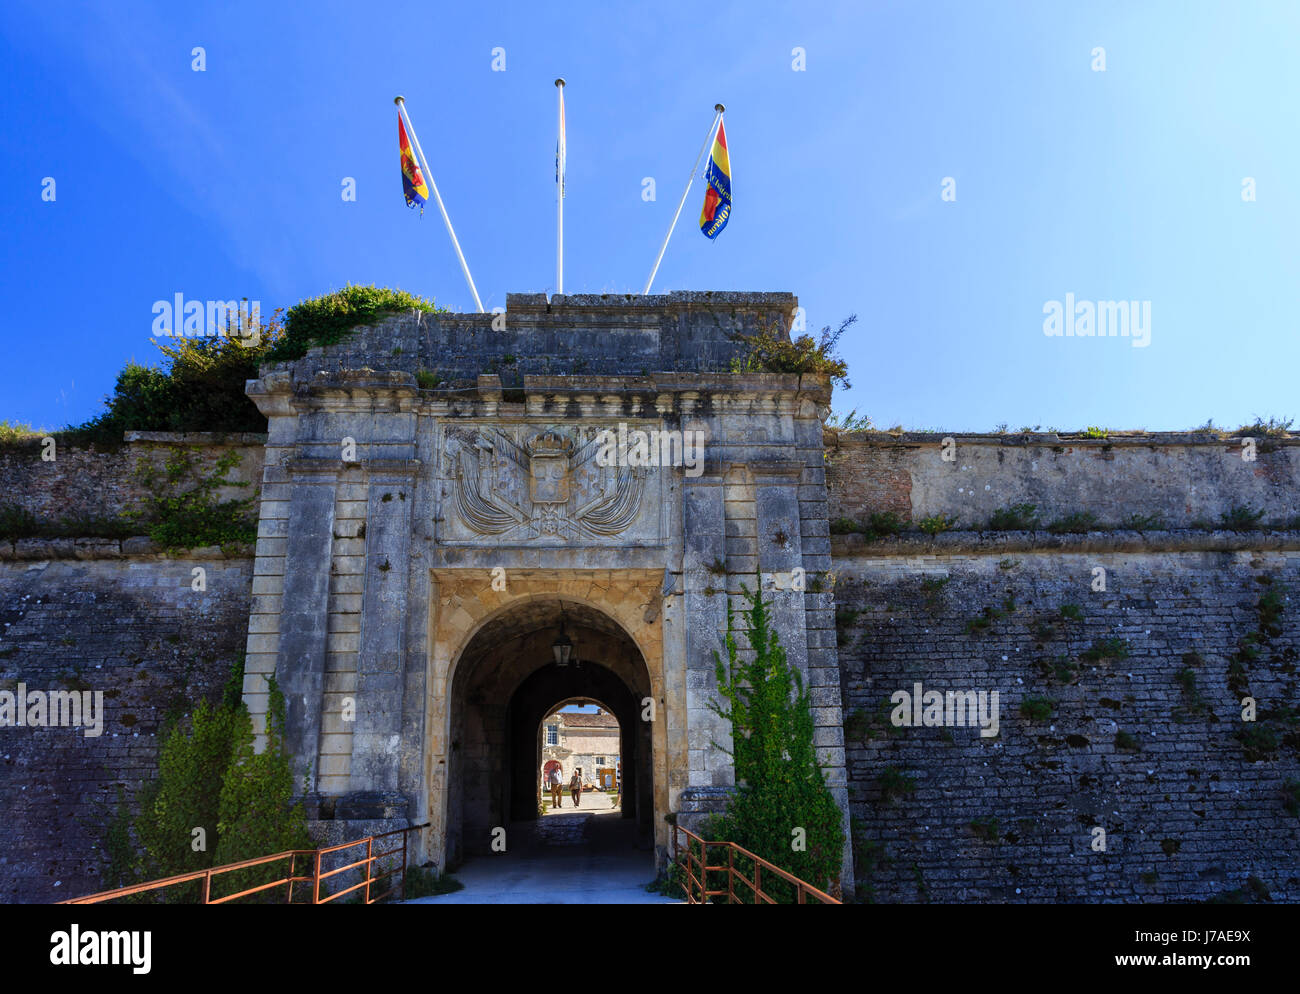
587 743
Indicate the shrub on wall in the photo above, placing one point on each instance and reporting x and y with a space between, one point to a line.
256 813
769 350
200 387
782 809
209 778
191 765
325 320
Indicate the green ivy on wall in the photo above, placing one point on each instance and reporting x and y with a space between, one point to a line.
181 510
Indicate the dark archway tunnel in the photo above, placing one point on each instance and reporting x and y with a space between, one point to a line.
506 683
537 698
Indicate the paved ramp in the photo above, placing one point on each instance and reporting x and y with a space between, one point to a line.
567 857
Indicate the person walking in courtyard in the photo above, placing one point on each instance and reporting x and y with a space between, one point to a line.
553 781
575 788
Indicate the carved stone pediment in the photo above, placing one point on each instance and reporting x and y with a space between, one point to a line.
526 482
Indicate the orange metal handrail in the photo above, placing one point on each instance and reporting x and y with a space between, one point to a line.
288 881
697 873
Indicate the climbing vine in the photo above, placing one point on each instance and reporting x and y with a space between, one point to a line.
181 509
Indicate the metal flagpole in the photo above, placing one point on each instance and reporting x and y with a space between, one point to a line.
560 154
428 175
713 129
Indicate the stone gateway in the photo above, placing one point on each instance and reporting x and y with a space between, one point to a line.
374 591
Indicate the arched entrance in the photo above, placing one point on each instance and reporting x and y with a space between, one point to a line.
505 684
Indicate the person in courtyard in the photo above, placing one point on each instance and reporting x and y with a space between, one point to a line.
575 788
553 781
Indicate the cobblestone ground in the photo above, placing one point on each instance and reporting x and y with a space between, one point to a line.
567 857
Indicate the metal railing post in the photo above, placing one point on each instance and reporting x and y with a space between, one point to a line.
404 836
731 875
315 886
370 849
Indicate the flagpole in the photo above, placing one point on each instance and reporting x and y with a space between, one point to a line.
713 128
560 165
428 175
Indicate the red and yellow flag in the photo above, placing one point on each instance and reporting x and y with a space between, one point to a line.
413 184
717 198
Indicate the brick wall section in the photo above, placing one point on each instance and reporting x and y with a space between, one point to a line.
863 479
1186 817
135 630
98 482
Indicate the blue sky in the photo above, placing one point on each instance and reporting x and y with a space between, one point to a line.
1122 184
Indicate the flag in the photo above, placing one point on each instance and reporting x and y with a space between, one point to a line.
561 153
413 184
717 198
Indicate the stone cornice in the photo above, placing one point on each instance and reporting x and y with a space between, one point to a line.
137 547
353 390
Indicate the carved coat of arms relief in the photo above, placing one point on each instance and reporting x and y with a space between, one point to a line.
540 484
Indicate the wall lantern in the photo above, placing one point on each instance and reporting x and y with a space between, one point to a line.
562 646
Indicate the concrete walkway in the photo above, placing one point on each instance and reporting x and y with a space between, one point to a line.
568 857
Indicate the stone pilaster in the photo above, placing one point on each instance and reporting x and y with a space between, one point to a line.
300 666
705 608
380 658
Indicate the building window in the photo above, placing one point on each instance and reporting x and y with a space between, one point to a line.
600 761
552 735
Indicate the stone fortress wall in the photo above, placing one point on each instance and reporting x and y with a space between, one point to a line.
1142 735
1121 659
114 615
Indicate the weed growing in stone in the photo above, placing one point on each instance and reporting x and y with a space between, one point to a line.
1037 708
424 881
1105 649
895 784
936 523
1017 517
1241 518
1077 523
1126 742
986 828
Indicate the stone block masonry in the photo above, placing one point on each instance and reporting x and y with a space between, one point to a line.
97 482
597 335
1146 748
1182 479
134 629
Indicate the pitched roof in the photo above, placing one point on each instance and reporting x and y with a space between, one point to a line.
572 719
